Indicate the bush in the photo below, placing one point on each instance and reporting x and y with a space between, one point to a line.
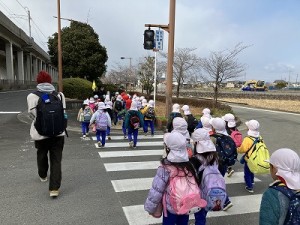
77 88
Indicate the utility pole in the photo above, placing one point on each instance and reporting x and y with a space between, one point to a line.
171 30
59 49
155 71
169 92
29 23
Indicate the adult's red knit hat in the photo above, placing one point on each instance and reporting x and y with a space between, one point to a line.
43 77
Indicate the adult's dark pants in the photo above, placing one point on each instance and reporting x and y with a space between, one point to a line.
53 145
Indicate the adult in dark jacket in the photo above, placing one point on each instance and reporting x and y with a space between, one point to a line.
44 144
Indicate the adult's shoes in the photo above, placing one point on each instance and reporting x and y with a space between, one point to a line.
43 179
54 193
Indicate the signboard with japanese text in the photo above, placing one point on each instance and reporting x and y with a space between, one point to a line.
159 39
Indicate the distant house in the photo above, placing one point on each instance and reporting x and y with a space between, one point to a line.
279 81
234 84
230 84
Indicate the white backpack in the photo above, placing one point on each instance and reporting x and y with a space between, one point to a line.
101 121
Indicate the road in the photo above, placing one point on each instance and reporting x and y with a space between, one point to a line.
109 186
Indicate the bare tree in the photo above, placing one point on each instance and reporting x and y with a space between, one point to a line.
161 71
223 65
146 74
186 64
121 75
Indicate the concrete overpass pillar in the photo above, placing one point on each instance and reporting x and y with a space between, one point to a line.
41 65
28 68
35 68
9 61
20 67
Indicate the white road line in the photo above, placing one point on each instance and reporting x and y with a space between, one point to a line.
17 112
265 110
136 215
125 144
113 154
147 165
140 137
139 184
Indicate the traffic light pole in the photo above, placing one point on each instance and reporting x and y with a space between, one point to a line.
171 30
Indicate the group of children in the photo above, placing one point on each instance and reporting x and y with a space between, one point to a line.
134 113
200 154
96 115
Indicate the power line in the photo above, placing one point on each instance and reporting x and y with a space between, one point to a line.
25 8
39 38
39 29
15 17
11 13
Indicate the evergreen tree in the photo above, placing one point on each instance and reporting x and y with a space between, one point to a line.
82 54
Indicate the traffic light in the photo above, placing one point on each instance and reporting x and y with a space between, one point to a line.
149 39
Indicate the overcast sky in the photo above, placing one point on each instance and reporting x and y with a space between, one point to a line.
270 27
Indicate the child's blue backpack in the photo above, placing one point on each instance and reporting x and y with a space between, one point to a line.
293 213
213 188
226 149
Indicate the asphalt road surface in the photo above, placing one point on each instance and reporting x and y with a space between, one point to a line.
109 185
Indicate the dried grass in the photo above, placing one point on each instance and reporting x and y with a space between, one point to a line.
284 105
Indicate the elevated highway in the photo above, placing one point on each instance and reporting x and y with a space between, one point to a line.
20 57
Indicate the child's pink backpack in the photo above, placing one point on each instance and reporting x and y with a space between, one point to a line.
237 137
183 193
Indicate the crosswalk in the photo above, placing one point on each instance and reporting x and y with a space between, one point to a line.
152 147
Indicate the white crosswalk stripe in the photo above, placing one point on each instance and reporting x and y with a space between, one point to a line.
135 214
110 154
140 137
145 183
131 166
125 144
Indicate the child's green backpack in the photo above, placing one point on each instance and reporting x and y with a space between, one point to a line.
256 161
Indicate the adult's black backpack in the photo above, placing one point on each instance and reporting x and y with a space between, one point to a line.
293 213
226 149
50 120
